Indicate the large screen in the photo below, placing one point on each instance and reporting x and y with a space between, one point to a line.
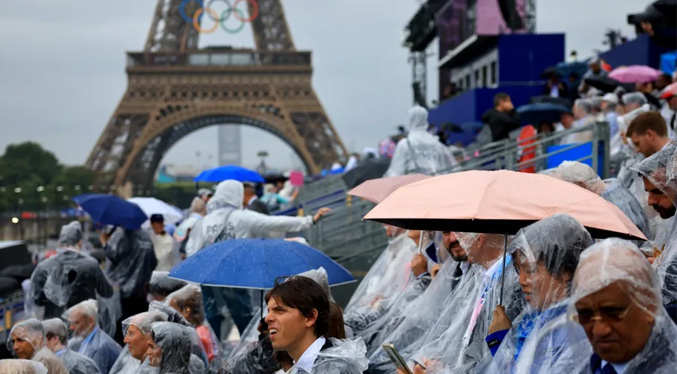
458 20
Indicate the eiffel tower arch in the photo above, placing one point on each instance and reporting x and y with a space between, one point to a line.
174 88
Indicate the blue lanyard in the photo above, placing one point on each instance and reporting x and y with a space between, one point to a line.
87 340
61 352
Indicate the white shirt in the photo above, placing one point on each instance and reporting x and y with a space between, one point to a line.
166 251
307 359
620 368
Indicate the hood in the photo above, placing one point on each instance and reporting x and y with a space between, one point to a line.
228 193
418 119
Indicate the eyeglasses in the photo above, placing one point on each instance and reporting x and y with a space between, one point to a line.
609 314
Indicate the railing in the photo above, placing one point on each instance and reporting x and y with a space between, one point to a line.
11 312
220 58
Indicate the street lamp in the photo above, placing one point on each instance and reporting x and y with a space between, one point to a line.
77 188
18 190
59 188
40 188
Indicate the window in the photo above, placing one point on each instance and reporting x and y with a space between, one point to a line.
493 72
467 82
477 78
484 76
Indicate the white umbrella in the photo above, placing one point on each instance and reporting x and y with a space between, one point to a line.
151 205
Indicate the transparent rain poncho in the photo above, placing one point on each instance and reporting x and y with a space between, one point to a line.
615 271
22 367
173 348
545 255
161 285
75 363
198 209
97 345
610 189
69 277
131 261
345 356
424 316
461 346
125 363
420 152
659 170
387 277
31 331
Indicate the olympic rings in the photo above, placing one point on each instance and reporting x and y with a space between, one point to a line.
218 20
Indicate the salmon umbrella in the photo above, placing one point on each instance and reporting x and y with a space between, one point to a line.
375 190
499 202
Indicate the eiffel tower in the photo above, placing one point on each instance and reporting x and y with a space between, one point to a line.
174 88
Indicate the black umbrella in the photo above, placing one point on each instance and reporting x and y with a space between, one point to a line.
549 72
552 100
606 84
366 170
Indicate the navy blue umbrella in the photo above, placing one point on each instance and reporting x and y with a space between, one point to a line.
533 114
112 210
223 173
256 264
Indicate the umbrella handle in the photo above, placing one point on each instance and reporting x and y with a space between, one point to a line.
420 243
505 255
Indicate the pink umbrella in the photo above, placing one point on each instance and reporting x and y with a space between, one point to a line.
634 74
375 190
670 90
498 202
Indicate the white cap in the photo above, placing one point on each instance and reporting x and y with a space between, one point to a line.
610 97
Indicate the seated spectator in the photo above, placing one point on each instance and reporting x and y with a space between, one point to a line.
89 340
28 343
616 298
171 348
188 302
56 333
22 367
632 101
648 133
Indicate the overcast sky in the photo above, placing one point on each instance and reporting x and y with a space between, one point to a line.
62 67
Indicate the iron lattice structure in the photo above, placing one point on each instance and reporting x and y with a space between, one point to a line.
174 88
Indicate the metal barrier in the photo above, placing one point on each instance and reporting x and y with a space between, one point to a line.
11 312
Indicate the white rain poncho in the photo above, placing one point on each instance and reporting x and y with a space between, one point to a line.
198 209
131 261
408 329
616 287
659 171
125 363
22 367
74 362
545 255
387 277
420 152
610 189
173 348
160 285
31 331
461 346
226 220
345 356
97 345
69 277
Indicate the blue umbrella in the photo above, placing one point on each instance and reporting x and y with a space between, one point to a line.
223 173
112 210
255 264
533 114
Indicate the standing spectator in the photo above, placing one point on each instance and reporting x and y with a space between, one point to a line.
205 194
554 87
165 247
131 264
68 278
420 152
252 201
503 118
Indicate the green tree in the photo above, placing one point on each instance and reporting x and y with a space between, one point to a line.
22 160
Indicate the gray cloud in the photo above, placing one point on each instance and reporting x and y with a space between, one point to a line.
62 66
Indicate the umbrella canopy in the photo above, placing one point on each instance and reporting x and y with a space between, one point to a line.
112 210
498 202
549 99
635 74
376 190
255 264
151 205
670 90
533 114
606 84
366 170
233 172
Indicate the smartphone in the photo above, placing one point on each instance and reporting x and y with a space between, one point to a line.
396 358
